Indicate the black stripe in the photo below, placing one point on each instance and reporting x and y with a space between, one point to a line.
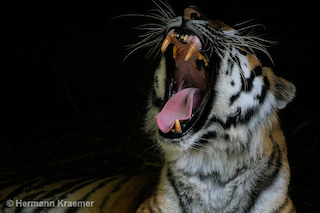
38 186
237 61
157 102
66 189
240 118
230 66
84 198
234 97
148 190
156 204
225 125
8 184
231 120
280 208
208 136
248 115
63 188
214 176
143 209
233 60
243 52
37 192
293 209
149 208
18 191
285 202
257 71
267 176
47 195
175 187
114 190
265 88
246 87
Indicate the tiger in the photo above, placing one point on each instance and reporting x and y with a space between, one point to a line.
212 112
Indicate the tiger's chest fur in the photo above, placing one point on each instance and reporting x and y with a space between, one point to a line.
201 186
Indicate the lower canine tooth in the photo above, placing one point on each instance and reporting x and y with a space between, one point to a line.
174 52
191 50
201 57
177 126
166 43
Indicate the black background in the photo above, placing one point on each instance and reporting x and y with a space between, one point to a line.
71 107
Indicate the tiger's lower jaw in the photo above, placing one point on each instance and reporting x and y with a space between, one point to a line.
189 99
195 122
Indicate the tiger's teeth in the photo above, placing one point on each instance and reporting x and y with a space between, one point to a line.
185 37
201 57
191 50
174 52
166 43
177 126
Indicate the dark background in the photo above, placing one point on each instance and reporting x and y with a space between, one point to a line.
71 107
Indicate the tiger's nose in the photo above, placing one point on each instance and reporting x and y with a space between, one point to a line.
191 14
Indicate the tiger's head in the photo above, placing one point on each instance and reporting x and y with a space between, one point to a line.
210 88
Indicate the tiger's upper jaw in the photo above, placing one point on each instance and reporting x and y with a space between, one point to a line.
200 34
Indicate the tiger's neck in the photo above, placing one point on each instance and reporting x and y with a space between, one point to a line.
221 155
220 180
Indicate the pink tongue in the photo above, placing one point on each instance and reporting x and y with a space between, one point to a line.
180 107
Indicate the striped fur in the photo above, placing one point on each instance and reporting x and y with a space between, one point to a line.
232 159
112 194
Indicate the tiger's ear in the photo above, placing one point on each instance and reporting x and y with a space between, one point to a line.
284 91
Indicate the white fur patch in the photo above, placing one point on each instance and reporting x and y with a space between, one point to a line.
160 74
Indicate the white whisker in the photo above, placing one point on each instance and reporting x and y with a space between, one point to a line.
214 41
163 17
166 4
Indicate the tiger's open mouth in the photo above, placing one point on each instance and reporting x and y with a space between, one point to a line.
187 85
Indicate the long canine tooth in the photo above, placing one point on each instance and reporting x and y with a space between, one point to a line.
177 126
191 50
201 57
166 43
174 52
